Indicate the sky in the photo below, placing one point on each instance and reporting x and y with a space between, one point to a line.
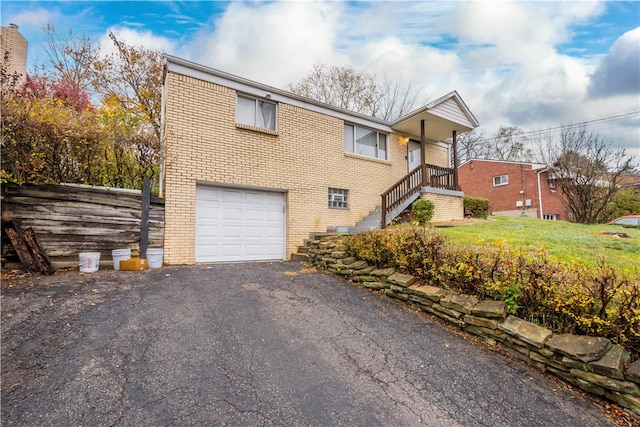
537 65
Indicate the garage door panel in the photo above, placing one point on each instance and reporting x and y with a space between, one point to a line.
210 251
255 197
253 214
229 195
238 225
272 232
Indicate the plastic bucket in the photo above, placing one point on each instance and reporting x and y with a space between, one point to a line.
154 257
119 255
89 262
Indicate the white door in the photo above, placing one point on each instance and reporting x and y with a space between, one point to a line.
413 155
239 225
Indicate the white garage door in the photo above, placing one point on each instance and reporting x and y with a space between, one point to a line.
238 225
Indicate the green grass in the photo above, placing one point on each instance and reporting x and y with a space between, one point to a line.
561 240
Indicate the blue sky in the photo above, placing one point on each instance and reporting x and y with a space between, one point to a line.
535 65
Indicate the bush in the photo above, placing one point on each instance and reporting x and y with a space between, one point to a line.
564 298
625 202
476 207
422 211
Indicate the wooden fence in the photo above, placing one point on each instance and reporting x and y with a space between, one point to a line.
68 220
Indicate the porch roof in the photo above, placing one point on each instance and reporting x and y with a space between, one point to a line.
441 116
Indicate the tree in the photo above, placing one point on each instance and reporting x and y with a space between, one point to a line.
587 170
471 145
132 77
394 98
47 137
51 132
71 57
508 145
341 86
345 87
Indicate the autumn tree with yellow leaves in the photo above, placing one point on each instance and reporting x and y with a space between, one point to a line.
87 118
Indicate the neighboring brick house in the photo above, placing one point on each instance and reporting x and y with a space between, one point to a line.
250 170
630 180
513 188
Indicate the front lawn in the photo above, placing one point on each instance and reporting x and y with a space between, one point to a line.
561 240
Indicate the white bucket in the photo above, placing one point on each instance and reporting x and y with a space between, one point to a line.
89 262
119 255
154 257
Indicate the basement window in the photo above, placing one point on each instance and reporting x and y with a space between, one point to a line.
338 198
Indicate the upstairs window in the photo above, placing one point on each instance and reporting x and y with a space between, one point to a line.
256 112
500 180
365 142
338 198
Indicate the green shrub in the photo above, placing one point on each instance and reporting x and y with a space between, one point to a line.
422 211
564 298
476 207
625 202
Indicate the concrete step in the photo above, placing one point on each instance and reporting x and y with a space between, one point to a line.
319 235
303 249
370 222
299 257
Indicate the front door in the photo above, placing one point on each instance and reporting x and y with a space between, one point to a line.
413 155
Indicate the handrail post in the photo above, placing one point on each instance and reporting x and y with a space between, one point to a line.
423 154
455 160
383 213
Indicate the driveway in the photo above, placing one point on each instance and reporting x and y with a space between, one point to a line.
263 344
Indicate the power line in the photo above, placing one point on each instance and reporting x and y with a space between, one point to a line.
602 120
583 123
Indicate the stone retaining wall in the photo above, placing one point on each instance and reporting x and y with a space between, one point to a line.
592 363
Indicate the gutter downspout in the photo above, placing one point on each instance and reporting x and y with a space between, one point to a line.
540 191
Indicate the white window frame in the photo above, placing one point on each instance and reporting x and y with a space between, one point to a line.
550 217
255 120
338 198
500 180
351 142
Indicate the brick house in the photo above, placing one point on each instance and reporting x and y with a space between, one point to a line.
513 188
250 170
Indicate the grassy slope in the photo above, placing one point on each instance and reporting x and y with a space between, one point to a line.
563 241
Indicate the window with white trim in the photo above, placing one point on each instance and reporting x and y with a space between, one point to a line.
500 180
338 198
256 112
551 217
365 142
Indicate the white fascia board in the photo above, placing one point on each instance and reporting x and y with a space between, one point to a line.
260 90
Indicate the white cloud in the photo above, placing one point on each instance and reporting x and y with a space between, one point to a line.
33 19
273 43
134 37
619 71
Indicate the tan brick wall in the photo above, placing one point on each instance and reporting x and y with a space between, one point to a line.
305 158
447 208
437 155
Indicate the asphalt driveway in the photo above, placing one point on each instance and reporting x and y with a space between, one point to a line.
264 344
